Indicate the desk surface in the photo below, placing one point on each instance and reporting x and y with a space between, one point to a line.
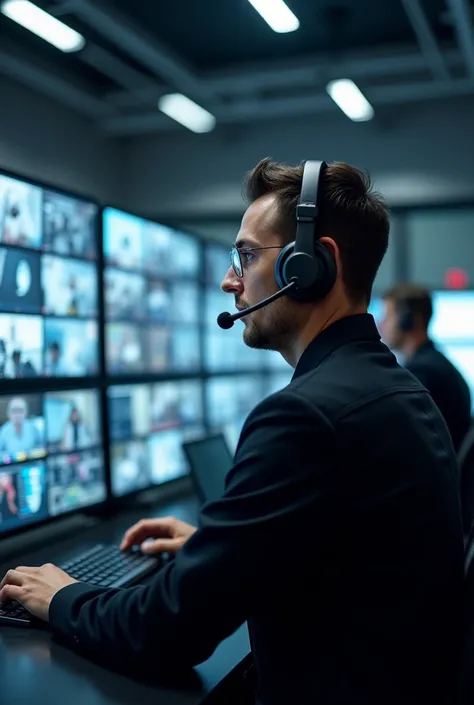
36 669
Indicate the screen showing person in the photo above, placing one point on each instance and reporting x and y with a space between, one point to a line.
185 303
453 317
22 434
75 480
20 213
20 281
71 348
130 467
70 287
129 411
176 404
123 239
21 346
125 295
70 225
23 495
72 420
124 348
185 349
217 262
159 348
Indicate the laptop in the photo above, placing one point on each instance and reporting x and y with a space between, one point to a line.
209 460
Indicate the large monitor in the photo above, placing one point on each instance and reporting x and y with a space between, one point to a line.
51 459
452 329
48 283
151 297
147 426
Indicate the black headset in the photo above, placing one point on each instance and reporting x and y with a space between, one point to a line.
405 317
307 261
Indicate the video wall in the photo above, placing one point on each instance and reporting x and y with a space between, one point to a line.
148 424
151 287
48 283
170 373
51 455
51 441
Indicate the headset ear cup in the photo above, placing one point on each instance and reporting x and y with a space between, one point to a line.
325 275
280 264
405 321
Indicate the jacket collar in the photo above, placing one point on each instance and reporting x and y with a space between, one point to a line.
360 326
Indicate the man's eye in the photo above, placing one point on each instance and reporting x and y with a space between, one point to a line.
247 256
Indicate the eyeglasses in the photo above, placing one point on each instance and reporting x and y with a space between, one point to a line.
236 256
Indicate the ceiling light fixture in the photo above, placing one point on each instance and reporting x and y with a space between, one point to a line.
277 15
188 113
43 25
350 99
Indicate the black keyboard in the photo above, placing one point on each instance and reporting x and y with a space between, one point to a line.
103 565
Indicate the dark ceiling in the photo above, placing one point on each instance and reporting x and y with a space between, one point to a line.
212 34
223 55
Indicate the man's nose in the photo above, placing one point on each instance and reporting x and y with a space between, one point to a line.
232 284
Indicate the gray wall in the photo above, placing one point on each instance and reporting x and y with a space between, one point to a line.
417 154
44 140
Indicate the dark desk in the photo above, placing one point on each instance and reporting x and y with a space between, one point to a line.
35 669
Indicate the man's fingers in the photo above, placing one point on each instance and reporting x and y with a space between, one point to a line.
11 592
162 546
144 529
30 570
12 577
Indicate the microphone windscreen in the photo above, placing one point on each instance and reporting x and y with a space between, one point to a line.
224 320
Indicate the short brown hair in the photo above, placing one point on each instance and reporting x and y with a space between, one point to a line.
351 212
413 299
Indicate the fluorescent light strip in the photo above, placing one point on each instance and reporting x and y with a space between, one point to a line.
186 112
43 25
276 14
350 100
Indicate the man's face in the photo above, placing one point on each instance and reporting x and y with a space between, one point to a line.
17 411
389 326
275 326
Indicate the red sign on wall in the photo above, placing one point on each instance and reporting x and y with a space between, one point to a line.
456 278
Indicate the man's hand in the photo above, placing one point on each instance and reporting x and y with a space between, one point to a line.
34 588
169 534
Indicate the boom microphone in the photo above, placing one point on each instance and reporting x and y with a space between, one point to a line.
226 320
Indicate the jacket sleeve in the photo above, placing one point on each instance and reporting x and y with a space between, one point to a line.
282 475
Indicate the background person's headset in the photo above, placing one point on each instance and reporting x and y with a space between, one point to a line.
405 317
305 269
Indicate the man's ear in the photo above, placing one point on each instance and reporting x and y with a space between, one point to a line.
334 249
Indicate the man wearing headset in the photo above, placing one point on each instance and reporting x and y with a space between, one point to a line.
408 312
339 535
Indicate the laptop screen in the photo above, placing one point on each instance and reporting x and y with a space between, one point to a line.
210 460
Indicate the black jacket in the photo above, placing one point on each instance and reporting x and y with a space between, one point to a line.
338 538
447 387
